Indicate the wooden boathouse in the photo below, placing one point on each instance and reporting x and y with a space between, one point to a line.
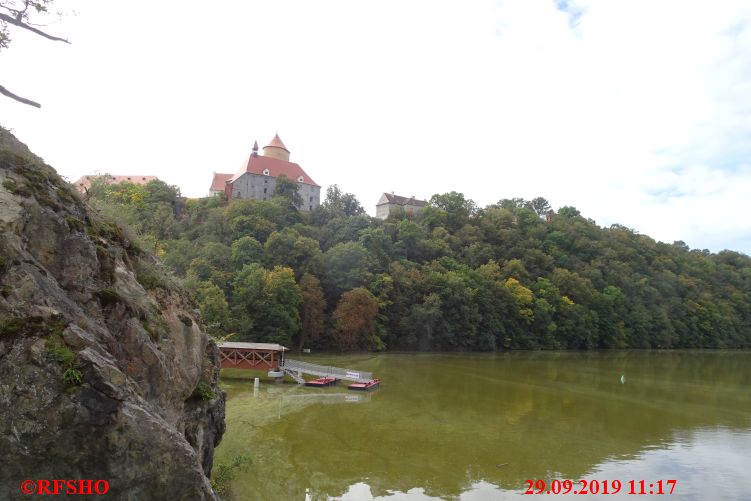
270 356
256 356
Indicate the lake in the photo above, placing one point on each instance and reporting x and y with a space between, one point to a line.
478 426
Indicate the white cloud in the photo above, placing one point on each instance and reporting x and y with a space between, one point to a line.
636 112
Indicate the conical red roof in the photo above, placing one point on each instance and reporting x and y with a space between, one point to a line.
277 143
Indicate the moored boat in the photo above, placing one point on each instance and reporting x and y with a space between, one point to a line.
322 382
365 386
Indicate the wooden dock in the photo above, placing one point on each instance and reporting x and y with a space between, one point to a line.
269 356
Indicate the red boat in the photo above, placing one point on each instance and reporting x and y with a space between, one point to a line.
366 386
322 381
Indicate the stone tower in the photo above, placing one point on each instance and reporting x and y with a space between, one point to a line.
276 149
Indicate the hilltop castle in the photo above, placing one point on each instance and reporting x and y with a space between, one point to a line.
388 202
257 178
84 182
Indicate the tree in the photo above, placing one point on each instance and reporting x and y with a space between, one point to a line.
458 209
254 226
523 298
610 316
178 255
19 13
343 229
246 250
265 304
214 309
514 268
511 203
149 208
288 189
199 269
279 320
337 204
311 309
379 245
409 237
345 266
247 295
422 322
159 191
288 248
497 223
569 211
355 320
218 255
450 278
539 205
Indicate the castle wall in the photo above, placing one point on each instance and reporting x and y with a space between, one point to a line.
383 210
260 187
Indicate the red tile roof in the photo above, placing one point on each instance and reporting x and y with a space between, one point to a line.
84 182
277 142
217 184
256 165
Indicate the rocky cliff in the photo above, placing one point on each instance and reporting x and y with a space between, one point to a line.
105 371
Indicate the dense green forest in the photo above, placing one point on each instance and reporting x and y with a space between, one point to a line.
511 275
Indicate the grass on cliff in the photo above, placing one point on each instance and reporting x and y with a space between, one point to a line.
58 352
46 326
203 389
224 473
31 177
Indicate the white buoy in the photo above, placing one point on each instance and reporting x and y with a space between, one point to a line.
256 382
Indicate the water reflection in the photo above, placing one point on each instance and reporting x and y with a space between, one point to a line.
476 427
294 401
289 398
711 464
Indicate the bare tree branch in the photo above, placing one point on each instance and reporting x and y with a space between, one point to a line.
17 14
22 13
14 11
20 24
18 98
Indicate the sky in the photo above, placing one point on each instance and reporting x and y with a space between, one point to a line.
636 112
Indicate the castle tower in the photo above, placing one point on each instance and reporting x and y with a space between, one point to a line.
276 149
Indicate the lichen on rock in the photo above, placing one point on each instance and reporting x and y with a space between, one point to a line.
105 370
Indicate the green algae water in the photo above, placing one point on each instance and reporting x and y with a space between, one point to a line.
477 427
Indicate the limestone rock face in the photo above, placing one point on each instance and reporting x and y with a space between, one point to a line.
105 370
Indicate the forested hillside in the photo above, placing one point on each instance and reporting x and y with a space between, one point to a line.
454 277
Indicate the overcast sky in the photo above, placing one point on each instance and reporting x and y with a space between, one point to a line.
636 112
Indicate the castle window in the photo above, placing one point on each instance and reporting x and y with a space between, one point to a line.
311 199
264 190
300 179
